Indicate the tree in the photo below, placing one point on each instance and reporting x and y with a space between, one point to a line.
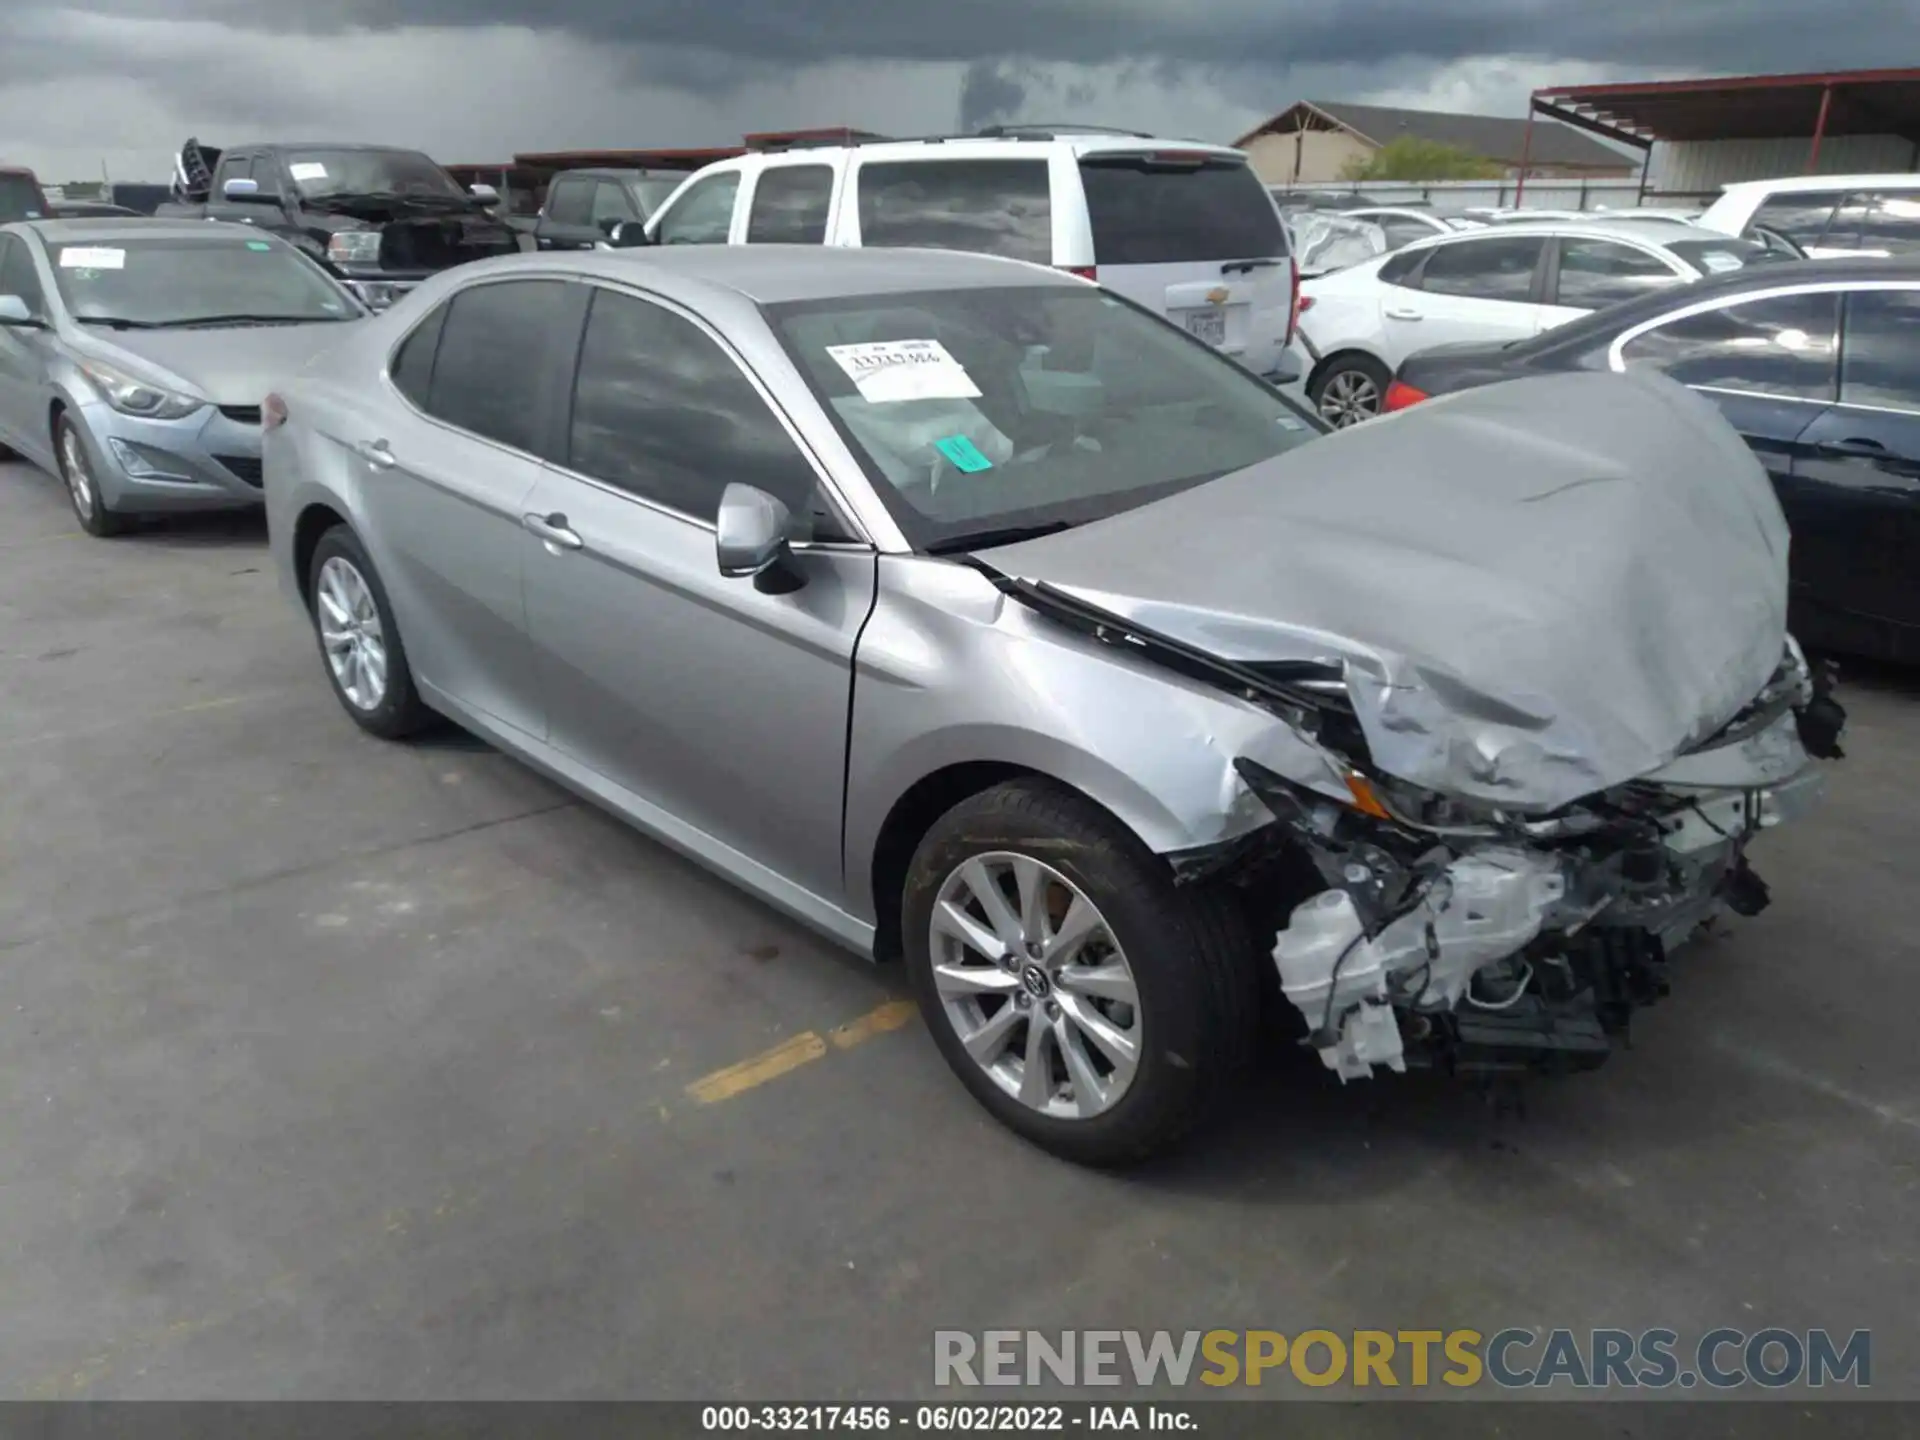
1408 157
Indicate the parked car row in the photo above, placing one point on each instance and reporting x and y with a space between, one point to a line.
995 612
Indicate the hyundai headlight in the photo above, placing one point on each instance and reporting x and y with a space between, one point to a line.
131 395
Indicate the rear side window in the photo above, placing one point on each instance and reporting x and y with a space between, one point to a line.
1402 231
1783 345
1147 211
1886 224
500 345
20 197
1399 270
1881 366
412 365
994 207
662 412
790 205
1495 268
1801 218
1594 273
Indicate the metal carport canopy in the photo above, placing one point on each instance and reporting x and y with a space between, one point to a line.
1752 107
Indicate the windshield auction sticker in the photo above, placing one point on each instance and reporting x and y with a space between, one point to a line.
888 371
83 257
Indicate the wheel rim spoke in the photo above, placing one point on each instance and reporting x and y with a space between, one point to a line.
1036 1072
950 919
988 1041
1114 1043
985 889
1089 1090
1109 981
974 980
1080 922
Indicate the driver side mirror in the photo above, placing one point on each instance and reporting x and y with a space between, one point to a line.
751 540
484 193
242 191
628 234
15 311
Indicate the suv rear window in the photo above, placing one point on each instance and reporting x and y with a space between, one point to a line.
994 207
20 197
1148 211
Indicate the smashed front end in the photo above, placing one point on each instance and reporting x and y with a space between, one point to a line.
1459 936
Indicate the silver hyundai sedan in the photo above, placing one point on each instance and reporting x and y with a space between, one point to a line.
134 355
979 618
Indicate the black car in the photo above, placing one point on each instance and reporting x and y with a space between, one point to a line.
1817 365
382 219
583 206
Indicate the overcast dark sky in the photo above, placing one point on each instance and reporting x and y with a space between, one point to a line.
121 81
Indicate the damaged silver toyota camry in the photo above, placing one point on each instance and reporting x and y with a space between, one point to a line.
981 619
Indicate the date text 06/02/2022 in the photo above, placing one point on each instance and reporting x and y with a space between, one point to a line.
940 1418
1769 1358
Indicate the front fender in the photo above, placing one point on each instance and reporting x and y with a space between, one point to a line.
951 672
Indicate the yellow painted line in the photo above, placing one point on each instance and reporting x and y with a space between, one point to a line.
802 1049
767 1065
878 1021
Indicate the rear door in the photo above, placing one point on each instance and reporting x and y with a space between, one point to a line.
1875 224
1194 236
1859 473
1480 288
1803 217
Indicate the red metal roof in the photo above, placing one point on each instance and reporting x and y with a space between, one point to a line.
1745 107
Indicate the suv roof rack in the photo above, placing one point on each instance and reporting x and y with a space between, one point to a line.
1037 131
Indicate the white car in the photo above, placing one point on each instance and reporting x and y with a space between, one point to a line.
1403 224
1829 217
1185 229
1505 282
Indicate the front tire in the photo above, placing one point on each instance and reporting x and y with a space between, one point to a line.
1350 390
1090 1005
359 640
83 484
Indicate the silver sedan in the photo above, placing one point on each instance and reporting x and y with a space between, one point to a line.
977 617
134 355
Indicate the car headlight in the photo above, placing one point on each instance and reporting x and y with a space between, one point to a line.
131 395
354 247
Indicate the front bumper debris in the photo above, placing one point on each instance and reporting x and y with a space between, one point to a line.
1529 944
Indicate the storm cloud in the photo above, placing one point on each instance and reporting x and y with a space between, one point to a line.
476 79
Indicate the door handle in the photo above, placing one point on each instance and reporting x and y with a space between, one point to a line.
1405 315
376 454
1856 448
554 530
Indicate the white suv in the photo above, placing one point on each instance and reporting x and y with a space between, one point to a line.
1829 217
1183 229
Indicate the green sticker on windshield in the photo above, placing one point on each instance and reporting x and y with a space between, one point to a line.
258 245
964 454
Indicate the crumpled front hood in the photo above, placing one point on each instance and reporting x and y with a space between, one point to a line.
230 365
1539 590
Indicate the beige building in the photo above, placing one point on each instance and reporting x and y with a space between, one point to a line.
1314 141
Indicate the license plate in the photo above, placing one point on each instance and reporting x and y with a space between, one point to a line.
1208 325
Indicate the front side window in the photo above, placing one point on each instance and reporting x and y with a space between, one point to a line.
233 167
498 347
20 197
1881 366
976 411
703 215
610 204
662 412
571 202
790 204
1783 345
1596 273
137 281
1156 208
993 207
1802 218
1495 268
403 174
17 275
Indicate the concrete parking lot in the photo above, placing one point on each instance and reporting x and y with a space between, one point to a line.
339 1069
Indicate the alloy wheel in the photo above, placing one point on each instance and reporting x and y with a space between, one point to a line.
351 634
1035 985
1348 398
73 460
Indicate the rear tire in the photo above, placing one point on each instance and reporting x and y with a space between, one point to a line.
360 645
1351 389
1170 973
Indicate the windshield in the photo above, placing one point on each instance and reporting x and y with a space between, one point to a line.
20 197
193 280
1717 257
982 413
319 173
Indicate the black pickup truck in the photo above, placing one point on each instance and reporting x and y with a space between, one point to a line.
381 219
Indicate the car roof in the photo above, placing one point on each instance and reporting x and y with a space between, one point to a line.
1790 184
777 274
976 147
315 145
81 229
1657 232
619 172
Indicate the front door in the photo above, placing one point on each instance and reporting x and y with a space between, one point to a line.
1481 289
720 707
23 357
